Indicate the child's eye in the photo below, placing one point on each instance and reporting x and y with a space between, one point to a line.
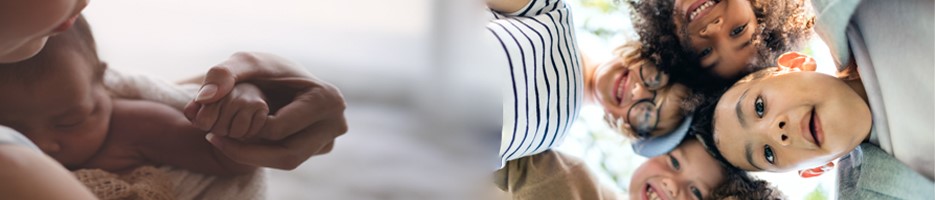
738 30
759 106
70 124
697 193
704 52
675 163
768 154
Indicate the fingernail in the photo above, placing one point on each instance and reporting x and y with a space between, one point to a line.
207 92
212 140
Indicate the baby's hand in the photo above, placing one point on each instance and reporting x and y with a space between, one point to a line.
240 114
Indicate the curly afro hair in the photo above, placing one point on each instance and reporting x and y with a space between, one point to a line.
784 26
741 185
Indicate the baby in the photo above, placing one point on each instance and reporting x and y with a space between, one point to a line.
57 99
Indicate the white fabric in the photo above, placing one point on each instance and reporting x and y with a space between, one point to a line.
892 45
137 86
10 136
545 89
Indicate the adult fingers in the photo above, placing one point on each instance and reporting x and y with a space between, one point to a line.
286 154
244 66
314 105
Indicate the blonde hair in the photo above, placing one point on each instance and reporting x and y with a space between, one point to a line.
630 54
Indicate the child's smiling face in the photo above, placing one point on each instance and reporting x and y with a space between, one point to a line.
721 32
789 121
688 172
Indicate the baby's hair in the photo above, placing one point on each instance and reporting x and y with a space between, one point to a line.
784 26
78 39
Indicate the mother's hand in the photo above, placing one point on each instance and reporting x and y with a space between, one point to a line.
307 114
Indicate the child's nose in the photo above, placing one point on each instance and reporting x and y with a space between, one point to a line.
780 133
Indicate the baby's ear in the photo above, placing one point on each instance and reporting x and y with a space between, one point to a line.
796 60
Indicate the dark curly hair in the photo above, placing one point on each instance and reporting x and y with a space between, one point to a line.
741 185
784 26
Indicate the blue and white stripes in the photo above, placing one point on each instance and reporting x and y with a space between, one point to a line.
545 76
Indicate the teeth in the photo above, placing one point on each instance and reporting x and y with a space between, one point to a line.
700 8
652 194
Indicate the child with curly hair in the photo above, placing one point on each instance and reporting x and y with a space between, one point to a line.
711 43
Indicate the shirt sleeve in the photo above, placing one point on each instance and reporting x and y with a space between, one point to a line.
542 98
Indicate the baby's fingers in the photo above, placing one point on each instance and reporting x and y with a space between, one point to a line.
259 120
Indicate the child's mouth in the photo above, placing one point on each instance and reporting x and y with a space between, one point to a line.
650 193
699 9
814 128
621 86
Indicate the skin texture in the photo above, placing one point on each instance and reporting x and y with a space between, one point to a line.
63 107
32 175
507 6
306 115
788 100
696 170
722 37
27 24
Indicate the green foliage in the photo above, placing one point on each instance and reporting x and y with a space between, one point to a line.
817 194
605 6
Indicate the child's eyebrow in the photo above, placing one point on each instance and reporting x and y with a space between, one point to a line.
748 151
739 111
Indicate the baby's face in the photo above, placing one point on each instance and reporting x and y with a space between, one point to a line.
688 172
63 110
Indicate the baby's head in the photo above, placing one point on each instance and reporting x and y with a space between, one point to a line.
780 120
638 99
707 43
689 172
57 98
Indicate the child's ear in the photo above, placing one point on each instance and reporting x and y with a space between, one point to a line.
796 60
817 171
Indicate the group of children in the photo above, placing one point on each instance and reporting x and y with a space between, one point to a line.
717 76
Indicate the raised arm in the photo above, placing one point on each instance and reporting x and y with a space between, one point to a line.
165 137
507 6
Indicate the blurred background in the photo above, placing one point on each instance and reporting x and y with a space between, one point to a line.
393 60
410 75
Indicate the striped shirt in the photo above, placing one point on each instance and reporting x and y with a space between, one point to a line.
545 88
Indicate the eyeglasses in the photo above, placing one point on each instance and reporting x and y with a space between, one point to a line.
643 115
